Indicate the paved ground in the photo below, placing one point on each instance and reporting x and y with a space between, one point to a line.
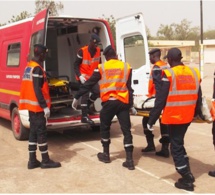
81 172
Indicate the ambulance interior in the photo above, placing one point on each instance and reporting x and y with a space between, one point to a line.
65 36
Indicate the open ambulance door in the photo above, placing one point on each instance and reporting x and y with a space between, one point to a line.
132 47
39 30
38 36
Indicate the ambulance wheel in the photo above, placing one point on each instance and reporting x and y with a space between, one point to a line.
19 131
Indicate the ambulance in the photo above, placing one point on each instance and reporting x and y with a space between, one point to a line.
64 35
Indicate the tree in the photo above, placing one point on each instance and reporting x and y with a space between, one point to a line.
210 34
166 32
21 16
52 5
182 31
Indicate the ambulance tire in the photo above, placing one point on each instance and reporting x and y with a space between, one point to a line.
19 131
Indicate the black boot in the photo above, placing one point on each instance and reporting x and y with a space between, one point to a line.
186 182
150 141
48 163
85 118
164 150
211 173
105 156
33 162
188 165
129 163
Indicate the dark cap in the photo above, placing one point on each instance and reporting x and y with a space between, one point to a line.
108 49
152 51
39 48
95 38
174 53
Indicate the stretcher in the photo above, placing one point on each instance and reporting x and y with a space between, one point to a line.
144 105
60 89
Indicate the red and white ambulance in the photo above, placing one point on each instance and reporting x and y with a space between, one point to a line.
64 35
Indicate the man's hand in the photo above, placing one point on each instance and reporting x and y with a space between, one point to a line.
46 112
150 128
74 104
133 111
82 79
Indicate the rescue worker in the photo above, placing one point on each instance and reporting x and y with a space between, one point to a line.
154 86
180 98
212 173
117 99
88 58
34 97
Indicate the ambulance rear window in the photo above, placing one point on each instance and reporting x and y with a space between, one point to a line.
13 54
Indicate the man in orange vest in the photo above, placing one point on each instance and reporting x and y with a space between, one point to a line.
87 60
154 86
212 173
34 97
116 94
180 100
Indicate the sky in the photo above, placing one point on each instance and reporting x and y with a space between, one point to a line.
155 12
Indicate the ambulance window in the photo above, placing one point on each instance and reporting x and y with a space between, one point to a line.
135 53
37 38
13 54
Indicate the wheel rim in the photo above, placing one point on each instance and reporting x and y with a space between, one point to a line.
16 124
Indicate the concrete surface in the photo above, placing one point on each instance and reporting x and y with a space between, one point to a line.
81 172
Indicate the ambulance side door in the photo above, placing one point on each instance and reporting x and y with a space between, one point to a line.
132 47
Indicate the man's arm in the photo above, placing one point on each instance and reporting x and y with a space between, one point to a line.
160 101
157 76
130 90
38 81
198 110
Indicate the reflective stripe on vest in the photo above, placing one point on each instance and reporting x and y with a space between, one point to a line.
89 64
28 99
182 92
180 105
114 76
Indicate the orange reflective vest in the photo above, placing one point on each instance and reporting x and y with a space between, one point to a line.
151 86
183 94
89 64
28 99
114 76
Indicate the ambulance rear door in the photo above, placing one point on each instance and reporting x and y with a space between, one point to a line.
39 30
132 47
38 36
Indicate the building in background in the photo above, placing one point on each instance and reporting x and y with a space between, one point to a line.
184 46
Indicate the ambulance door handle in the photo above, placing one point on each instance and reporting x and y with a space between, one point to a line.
135 82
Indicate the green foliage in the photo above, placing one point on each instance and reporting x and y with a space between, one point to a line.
182 31
52 5
21 16
210 34
39 5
